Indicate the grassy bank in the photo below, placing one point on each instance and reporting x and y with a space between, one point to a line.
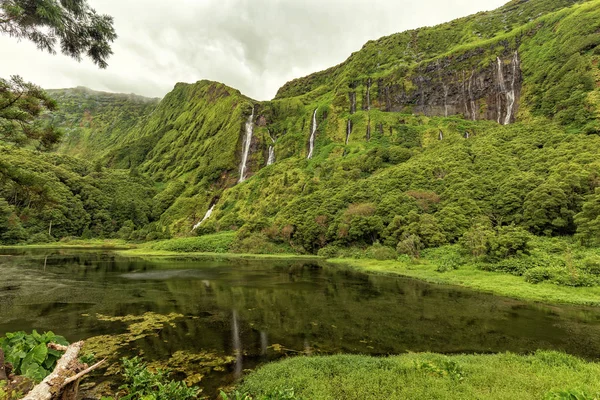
445 265
544 375
116 244
473 278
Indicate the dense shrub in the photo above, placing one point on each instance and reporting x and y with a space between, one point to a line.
216 243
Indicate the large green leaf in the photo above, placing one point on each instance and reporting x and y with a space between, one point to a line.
36 355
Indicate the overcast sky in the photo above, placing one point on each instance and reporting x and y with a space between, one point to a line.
252 45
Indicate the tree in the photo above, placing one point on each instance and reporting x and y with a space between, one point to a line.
21 104
69 24
588 220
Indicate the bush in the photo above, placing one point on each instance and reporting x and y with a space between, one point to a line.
258 243
30 355
448 263
509 241
141 384
539 274
575 279
381 253
216 243
330 251
41 237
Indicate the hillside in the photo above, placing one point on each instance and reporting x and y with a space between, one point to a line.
93 121
486 121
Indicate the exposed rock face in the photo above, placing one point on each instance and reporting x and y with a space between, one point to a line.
441 89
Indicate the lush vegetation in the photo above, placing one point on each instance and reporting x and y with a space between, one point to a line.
29 355
144 384
543 375
381 184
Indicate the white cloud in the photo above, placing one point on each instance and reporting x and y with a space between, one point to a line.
252 45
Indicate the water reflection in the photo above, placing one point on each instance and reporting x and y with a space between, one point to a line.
237 346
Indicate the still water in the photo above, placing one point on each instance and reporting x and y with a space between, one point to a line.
231 316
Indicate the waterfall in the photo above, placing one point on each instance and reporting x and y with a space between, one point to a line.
510 95
246 146
473 113
445 100
441 136
206 216
311 142
352 102
237 345
369 94
502 87
348 130
271 159
467 135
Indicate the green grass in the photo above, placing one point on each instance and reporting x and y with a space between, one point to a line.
469 276
428 376
76 243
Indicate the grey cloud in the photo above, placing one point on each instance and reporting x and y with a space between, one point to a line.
252 45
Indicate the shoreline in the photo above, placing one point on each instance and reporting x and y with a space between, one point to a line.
467 276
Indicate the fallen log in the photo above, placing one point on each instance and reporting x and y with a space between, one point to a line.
63 382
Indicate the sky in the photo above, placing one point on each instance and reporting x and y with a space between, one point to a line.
252 45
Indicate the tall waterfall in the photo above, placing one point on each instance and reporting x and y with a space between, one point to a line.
206 216
237 345
246 146
502 87
510 94
311 142
473 112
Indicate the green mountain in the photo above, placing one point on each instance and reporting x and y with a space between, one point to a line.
489 122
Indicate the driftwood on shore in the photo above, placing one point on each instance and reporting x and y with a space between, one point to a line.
63 382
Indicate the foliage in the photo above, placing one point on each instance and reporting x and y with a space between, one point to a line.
45 197
426 376
278 394
21 103
569 395
30 355
216 243
71 25
143 384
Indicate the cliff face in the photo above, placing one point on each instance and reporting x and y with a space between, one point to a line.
440 88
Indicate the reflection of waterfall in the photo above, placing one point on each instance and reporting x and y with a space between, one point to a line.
307 349
246 146
264 343
237 345
510 95
206 216
311 142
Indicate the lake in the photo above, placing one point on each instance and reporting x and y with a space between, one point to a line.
214 320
